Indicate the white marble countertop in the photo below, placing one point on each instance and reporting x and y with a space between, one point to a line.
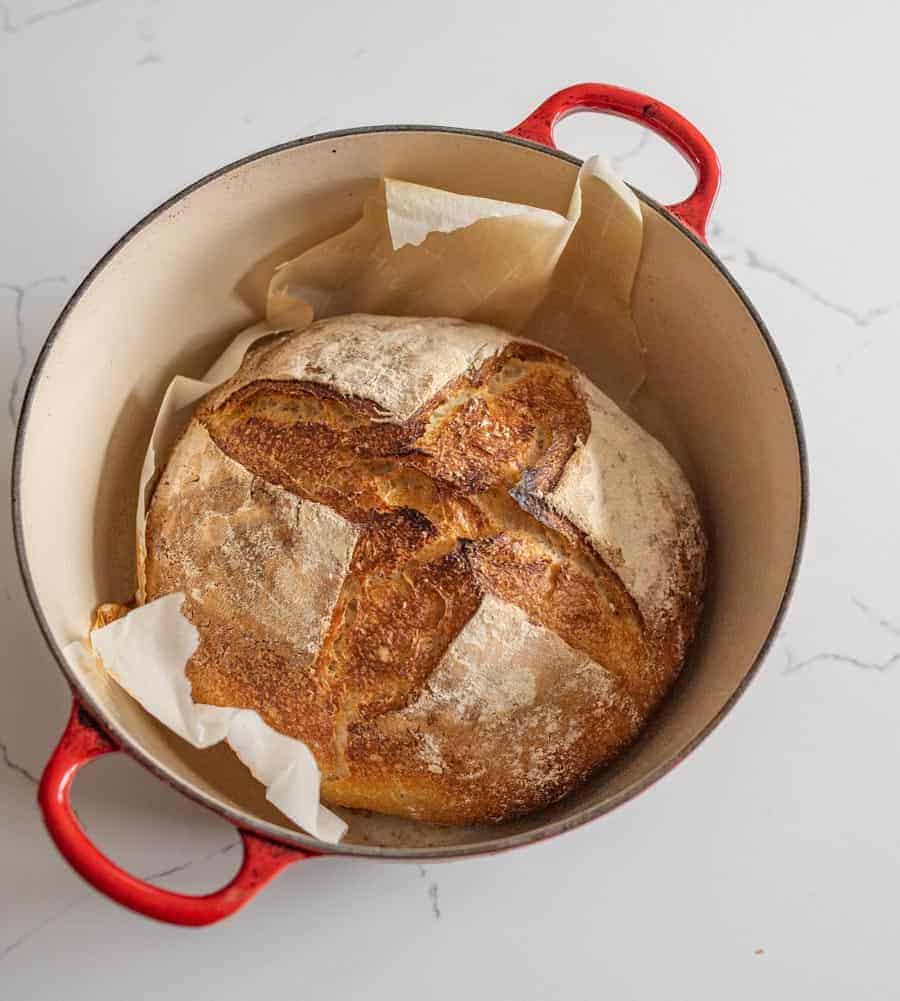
762 867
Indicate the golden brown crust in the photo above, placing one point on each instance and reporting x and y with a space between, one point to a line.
468 655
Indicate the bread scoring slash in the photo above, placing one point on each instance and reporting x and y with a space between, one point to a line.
436 554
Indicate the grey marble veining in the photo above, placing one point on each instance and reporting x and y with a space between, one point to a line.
14 26
25 359
14 766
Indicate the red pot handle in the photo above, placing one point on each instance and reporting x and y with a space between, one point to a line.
81 742
660 118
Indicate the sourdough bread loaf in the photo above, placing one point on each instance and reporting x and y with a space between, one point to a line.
436 554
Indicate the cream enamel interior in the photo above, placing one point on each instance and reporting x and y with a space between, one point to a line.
170 297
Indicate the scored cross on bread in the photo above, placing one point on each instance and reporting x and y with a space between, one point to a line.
434 553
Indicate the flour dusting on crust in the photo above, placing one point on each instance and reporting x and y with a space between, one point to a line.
232 540
495 712
631 499
397 363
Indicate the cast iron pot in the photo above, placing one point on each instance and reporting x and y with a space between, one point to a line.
165 300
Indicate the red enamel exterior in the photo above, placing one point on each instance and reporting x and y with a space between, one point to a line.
658 117
82 742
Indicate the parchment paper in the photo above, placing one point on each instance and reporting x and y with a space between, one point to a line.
146 652
420 251
416 251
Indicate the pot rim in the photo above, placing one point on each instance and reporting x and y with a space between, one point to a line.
300 839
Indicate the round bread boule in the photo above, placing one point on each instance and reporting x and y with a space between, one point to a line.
436 554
